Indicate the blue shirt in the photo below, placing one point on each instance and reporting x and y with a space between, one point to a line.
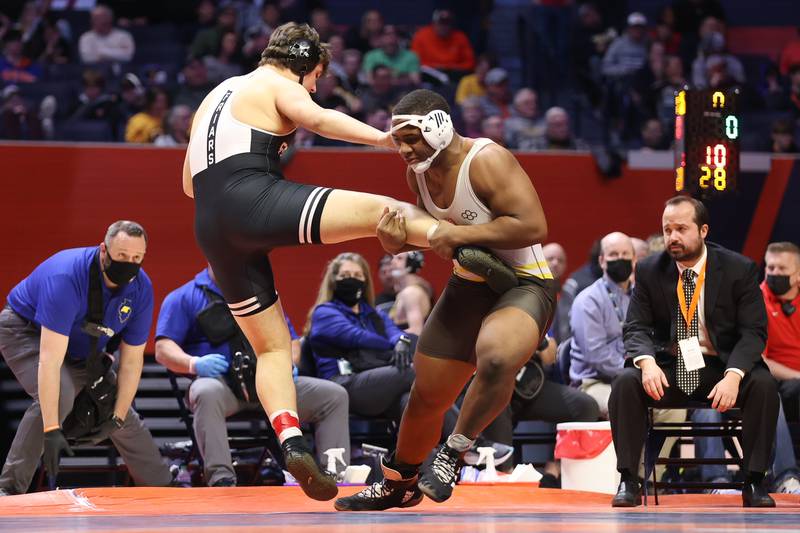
597 350
334 326
177 319
56 295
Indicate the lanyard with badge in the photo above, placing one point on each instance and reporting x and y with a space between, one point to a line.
617 309
690 348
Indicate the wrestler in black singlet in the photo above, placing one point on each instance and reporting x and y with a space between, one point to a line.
243 205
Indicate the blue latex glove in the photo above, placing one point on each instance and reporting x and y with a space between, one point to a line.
211 365
295 373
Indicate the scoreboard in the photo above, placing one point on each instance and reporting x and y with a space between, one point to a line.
706 141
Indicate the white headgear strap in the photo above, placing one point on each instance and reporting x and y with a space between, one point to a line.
436 128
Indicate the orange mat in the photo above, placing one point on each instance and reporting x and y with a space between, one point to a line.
500 498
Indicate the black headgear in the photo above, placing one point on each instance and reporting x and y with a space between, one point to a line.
414 261
303 56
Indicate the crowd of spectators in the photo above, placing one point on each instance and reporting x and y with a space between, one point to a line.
104 69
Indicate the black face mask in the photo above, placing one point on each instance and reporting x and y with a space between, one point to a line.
619 270
349 291
120 272
779 285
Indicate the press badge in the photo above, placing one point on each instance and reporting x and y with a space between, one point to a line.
692 356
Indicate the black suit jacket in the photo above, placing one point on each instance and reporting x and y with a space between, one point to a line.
735 315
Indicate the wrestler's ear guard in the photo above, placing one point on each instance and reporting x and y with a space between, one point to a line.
436 128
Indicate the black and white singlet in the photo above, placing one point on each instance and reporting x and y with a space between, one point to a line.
243 205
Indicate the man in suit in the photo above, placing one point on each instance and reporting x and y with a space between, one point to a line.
695 330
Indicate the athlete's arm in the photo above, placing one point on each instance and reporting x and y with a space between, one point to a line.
187 177
295 103
172 356
502 184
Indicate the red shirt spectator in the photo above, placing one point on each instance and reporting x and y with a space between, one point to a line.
441 46
781 290
790 56
783 331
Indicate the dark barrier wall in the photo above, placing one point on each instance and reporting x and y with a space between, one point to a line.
59 196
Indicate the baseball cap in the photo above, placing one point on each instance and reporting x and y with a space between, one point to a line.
637 19
496 76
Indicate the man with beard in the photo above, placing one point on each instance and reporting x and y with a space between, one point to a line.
695 330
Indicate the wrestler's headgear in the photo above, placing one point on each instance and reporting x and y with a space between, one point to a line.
415 260
303 56
436 128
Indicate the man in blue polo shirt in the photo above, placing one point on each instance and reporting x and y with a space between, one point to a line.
183 346
42 341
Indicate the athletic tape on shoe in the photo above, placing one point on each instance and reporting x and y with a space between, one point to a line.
436 128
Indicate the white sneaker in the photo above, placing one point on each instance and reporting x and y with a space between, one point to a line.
502 452
790 485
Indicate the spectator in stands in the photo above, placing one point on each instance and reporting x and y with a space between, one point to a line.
103 42
18 120
404 64
413 293
353 80
207 41
689 16
14 66
52 48
330 95
227 62
131 96
472 117
492 128
714 66
790 56
641 248
380 119
386 277
366 36
442 47
190 341
581 278
44 343
590 41
557 134
177 126
196 84
145 126
674 80
781 290
474 85
653 136
269 19
94 103
556 258
336 49
381 93
628 52
355 345
256 39
320 20
524 124
782 138
665 32
495 101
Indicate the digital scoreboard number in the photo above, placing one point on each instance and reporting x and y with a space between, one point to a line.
707 132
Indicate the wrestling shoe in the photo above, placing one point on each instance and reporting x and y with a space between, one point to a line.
394 491
317 485
498 275
437 479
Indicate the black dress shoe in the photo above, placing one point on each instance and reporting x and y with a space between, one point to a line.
629 494
755 495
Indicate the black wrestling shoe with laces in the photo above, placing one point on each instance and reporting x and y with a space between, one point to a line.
317 485
394 491
438 479
498 275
